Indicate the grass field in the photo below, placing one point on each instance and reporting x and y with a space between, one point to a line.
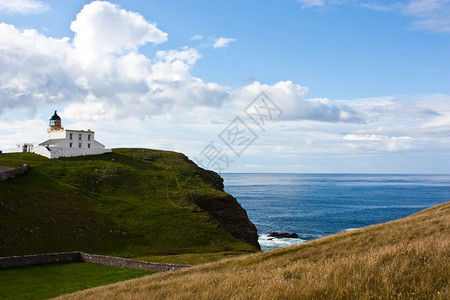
404 259
46 281
129 203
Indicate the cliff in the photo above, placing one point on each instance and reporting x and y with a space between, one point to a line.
130 203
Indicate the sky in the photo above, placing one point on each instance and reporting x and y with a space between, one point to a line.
306 86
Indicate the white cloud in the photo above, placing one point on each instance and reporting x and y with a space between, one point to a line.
196 37
135 100
399 143
15 132
38 72
24 7
429 15
309 3
362 137
375 142
378 6
187 55
103 28
395 124
33 69
223 42
290 97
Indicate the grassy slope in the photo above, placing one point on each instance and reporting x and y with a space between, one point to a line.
132 202
45 281
404 259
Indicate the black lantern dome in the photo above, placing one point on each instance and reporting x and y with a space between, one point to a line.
55 116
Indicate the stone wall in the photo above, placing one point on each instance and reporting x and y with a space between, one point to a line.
5 175
126 263
38 259
118 262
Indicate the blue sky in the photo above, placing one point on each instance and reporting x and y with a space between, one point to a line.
362 86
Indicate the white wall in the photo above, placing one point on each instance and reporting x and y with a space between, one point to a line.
57 152
59 134
22 148
42 150
63 149
85 140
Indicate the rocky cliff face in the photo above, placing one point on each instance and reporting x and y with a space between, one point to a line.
226 210
229 214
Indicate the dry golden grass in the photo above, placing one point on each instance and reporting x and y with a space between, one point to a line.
403 259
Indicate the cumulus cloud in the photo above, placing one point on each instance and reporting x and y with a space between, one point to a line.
290 97
24 7
33 69
223 42
38 70
103 28
100 77
187 55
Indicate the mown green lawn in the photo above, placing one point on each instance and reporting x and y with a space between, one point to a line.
51 280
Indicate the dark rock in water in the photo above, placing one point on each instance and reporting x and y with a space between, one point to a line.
283 235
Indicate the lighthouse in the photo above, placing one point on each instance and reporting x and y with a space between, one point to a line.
67 142
54 123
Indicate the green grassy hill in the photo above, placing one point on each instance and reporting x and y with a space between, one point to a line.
404 259
131 203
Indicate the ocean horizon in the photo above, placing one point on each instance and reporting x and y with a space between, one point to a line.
314 205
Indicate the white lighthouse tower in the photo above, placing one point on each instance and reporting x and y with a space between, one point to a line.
67 143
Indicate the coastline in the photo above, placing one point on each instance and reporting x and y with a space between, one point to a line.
318 205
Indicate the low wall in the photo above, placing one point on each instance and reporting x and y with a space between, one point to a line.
118 262
5 175
38 259
126 263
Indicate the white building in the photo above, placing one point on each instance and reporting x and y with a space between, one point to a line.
66 143
22 148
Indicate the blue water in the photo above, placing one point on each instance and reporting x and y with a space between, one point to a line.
316 205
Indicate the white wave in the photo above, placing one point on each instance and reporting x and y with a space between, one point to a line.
268 243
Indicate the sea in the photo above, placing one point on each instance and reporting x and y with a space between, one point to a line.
317 205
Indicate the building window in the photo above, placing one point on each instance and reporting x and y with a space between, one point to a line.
89 137
71 136
70 145
79 136
89 145
79 145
